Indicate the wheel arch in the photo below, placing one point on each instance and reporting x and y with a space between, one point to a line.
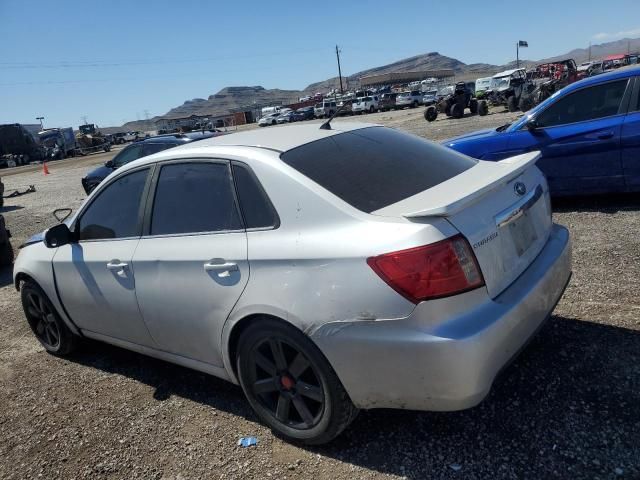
51 291
235 327
23 277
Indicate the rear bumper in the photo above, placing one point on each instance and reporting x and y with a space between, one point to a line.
447 353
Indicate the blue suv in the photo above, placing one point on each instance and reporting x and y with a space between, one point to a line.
588 134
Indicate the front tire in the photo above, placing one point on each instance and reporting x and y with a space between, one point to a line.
45 322
290 385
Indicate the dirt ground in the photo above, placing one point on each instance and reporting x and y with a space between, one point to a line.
568 407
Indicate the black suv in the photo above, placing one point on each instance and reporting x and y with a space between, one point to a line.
140 149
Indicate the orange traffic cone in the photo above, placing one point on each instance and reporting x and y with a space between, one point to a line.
45 169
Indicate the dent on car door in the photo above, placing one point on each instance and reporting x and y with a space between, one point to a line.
191 265
630 141
579 137
95 276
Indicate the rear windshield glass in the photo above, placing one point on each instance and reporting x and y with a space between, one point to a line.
374 167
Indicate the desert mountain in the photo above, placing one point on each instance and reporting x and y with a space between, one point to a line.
231 98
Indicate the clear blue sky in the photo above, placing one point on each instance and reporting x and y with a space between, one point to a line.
113 60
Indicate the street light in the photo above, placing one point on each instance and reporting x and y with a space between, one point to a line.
521 43
41 126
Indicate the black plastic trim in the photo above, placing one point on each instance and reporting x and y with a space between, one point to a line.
276 225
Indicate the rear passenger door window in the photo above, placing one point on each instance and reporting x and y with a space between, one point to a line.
256 208
195 197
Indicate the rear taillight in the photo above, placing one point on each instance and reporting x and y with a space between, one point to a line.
433 271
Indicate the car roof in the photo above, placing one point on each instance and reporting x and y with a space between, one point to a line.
170 138
278 139
281 139
507 72
620 73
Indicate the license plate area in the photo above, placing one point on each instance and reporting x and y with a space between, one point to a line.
516 225
522 233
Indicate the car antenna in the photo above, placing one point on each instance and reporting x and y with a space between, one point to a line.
327 125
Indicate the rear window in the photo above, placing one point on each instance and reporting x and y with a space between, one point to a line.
375 167
151 148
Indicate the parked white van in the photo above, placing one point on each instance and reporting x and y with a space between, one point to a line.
327 108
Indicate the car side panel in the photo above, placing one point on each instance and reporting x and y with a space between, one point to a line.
312 269
35 261
630 150
578 158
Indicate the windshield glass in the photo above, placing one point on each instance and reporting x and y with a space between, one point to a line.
500 82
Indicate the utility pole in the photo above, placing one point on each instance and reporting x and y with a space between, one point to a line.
146 114
339 71
84 119
589 51
41 126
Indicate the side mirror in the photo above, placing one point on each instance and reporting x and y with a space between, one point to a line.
109 164
532 125
58 236
61 214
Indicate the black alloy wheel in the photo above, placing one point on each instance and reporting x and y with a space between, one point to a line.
44 321
285 383
290 384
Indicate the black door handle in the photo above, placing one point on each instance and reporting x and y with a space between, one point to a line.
605 136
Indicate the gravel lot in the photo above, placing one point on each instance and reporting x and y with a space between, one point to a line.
568 407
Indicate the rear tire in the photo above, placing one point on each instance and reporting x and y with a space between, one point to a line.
457 111
473 106
290 385
431 113
525 104
483 108
6 254
512 103
6 250
45 323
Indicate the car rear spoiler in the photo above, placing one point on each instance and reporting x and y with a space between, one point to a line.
455 194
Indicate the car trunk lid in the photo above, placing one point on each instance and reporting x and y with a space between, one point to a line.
502 208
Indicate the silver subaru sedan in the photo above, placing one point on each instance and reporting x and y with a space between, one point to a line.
325 270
